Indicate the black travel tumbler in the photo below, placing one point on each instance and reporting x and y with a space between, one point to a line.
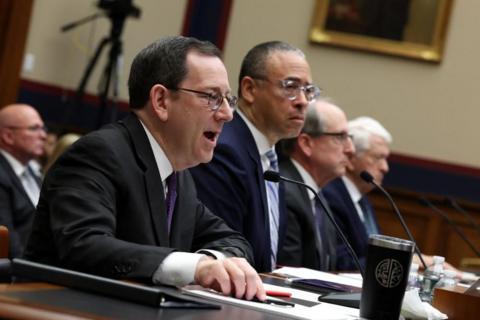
386 277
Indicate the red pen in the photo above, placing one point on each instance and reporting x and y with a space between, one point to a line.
273 293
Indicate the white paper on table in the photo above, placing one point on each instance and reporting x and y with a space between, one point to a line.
315 274
320 311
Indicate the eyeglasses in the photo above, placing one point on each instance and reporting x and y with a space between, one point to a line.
33 128
292 89
214 100
341 137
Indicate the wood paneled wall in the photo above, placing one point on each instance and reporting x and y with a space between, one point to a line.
434 236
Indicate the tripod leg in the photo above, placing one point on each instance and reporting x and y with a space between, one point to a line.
91 65
109 75
83 83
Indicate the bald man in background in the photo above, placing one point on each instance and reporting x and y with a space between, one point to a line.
22 139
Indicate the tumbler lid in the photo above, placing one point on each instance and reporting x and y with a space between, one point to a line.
391 242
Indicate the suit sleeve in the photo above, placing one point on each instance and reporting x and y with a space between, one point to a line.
291 253
84 197
6 218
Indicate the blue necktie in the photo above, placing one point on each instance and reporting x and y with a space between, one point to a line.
171 197
272 193
369 221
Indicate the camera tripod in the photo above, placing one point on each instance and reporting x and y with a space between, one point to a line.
118 12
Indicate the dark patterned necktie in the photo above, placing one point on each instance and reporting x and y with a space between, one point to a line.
320 218
171 197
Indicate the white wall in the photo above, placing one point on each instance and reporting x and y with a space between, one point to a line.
431 110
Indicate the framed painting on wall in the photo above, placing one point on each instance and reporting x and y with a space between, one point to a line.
409 28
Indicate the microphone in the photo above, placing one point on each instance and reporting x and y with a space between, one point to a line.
274 176
454 204
454 226
368 178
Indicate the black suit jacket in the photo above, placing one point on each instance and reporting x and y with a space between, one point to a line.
348 220
102 210
232 186
16 209
302 246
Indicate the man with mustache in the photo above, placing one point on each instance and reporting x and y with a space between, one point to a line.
317 156
275 86
119 202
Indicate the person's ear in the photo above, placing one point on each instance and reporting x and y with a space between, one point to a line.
305 144
6 136
248 88
160 99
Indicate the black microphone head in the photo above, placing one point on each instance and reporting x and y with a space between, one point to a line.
450 201
272 176
424 201
366 176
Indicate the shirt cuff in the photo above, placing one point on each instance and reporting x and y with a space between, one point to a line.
177 269
213 253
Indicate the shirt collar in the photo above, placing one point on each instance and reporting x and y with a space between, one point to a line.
163 164
352 189
307 179
260 139
16 165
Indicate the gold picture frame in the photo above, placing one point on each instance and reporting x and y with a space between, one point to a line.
409 28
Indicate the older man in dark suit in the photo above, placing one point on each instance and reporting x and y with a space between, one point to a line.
22 139
317 156
347 195
120 203
275 86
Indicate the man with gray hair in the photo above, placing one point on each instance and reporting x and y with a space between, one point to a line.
346 195
318 155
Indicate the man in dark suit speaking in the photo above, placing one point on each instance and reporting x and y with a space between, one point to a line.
22 139
119 202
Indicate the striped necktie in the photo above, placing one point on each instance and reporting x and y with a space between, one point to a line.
273 209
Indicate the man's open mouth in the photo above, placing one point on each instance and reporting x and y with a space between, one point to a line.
210 135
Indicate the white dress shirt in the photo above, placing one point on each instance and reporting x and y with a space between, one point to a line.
25 175
178 268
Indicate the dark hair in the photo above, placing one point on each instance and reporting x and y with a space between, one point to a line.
254 63
163 62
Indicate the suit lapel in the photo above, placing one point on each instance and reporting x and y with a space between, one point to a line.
153 182
254 156
352 210
17 184
306 204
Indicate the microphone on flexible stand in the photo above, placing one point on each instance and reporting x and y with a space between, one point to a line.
452 224
367 177
454 204
274 176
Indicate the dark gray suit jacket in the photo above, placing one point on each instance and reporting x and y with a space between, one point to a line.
302 247
16 209
102 210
